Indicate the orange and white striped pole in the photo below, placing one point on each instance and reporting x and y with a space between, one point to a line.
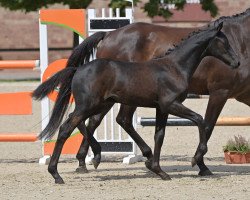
19 64
16 137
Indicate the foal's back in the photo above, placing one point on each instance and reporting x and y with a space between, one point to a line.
134 83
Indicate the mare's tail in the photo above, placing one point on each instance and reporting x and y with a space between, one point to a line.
82 53
64 79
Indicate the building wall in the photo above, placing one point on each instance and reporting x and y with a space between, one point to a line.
20 30
193 15
231 7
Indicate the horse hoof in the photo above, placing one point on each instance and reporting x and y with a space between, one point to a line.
82 170
59 181
164 176
205 173
148 164
95 163
157 171
193 162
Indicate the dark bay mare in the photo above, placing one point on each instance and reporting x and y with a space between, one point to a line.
159 83
141 42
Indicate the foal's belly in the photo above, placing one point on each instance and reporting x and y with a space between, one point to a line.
134 98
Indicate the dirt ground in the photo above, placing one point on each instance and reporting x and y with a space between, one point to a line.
21 177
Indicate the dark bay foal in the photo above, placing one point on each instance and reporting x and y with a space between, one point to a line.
160 83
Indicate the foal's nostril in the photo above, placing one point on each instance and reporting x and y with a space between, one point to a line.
238 64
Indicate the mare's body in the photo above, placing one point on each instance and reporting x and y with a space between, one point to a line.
140 41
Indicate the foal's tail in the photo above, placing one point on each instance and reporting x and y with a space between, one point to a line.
82 53
64 79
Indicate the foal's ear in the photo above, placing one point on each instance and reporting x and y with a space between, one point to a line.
219 27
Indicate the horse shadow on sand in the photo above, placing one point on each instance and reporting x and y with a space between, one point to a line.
176 171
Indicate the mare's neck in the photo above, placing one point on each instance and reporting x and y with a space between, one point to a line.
239 40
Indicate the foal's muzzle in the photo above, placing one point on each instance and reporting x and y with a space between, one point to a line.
235 64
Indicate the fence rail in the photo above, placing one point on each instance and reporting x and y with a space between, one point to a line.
36 49
222 121
19 64
15 137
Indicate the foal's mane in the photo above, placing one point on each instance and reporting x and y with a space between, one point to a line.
183 40
211 24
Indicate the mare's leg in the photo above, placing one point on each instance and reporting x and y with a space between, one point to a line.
153 163
94 122
177 109
244 98
64 132
215 105
125 120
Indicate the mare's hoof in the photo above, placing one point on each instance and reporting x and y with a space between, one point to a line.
82 169
193 162
95 163
164 176
205 173
59 181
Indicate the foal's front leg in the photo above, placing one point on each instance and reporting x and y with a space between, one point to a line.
215 105
153 163
125 120
178 109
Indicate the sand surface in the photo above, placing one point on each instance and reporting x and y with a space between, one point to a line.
21 177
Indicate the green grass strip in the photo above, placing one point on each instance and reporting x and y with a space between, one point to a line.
64 26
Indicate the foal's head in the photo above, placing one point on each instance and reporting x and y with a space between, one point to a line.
220 48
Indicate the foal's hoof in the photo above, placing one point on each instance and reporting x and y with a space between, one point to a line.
59 181
158 171
193 162
95 163
82 169
164 176
205 173
148 164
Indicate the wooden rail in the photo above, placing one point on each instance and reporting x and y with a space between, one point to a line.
19 64
222 121
16 137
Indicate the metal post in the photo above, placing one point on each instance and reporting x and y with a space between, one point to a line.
43 65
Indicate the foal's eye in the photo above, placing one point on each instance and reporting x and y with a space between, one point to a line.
220 43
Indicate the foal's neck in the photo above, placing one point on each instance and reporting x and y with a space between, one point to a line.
188 55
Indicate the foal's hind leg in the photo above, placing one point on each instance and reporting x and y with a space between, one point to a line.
64 132
94 122
153 163
124 119
180 110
